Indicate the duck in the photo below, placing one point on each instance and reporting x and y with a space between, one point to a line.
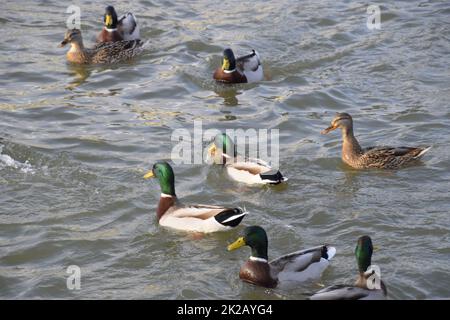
222 151
246 69
104 53
286 271
114 29
367 277
382 157
199 218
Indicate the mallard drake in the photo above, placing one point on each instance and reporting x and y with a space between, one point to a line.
251 171
360 290
372 157
102 53
241 70
291 269
125 28
197 218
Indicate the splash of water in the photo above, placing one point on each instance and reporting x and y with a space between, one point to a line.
7 161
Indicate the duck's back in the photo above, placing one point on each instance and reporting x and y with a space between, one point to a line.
251 67
116 51
128 27
387 157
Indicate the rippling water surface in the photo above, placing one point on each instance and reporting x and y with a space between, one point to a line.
74 143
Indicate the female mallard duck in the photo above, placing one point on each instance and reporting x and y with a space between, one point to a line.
360 290
102 53
241 70
290 269
251 171
373 157
197 218
125 28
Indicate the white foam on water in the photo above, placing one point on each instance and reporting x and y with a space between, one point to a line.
7 161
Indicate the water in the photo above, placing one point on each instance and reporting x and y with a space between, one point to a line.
75 143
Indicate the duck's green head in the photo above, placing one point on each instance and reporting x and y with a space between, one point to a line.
164 173
110 17
256 238
363 253
229 61
222 144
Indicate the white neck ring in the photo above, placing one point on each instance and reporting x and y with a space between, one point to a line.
165 195
258 259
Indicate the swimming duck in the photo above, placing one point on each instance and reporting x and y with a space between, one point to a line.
288 270
197 218
251 171
241 70
372 157
125 28
102 53
360 290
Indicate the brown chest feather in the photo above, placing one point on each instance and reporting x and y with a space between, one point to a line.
257 273
105 36
164 205
233 77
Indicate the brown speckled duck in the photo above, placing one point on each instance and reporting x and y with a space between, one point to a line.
372 157
286 271
366 278
114 29
100 54
244 69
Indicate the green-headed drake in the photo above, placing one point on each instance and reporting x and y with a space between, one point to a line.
244 69
360 290
117 29
250 171
103 53
288 270
372 157
197 218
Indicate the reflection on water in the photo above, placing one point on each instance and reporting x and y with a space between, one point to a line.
79 73
229 95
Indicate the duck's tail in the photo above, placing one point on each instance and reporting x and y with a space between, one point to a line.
328 252
231 217
272 177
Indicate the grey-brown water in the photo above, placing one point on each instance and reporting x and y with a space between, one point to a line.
75 143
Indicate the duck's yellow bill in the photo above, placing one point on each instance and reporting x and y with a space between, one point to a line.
237 244
212 150
225 64
376 248
149 175
108 20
